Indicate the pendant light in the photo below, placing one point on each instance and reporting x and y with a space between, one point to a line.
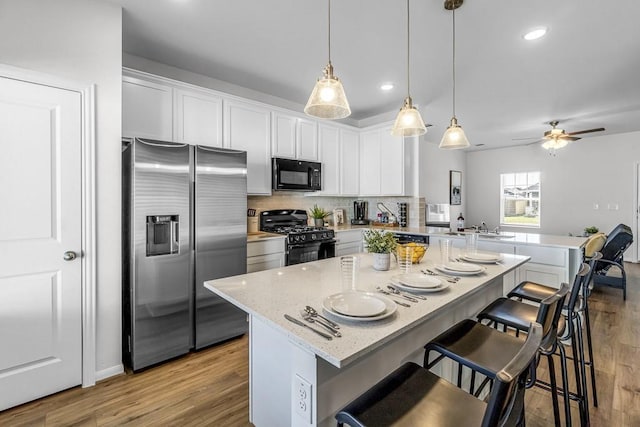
454 136
327 100
409 122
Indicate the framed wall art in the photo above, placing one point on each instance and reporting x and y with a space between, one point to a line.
455 187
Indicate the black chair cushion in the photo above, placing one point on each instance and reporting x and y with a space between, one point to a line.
480 347
412 396
532 291
512 313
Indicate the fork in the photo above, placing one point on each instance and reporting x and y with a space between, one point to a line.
450 279
412 298
382 291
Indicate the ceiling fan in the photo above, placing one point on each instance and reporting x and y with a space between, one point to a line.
556 138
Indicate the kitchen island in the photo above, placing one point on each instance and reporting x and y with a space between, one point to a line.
299 378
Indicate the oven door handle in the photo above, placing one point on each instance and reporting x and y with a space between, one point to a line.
304 245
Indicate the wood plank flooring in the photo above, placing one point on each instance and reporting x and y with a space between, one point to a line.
210 388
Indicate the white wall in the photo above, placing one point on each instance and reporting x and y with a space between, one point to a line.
81 40
435 165
594 170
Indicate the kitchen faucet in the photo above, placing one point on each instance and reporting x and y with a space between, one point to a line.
484 227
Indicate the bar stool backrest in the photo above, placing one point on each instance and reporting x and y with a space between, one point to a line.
506 401
549 314
617 242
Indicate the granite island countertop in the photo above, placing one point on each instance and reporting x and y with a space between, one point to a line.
270 294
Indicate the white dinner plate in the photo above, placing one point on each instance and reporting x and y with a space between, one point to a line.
357 304
417 280
483 257
390 308
409 289
457 270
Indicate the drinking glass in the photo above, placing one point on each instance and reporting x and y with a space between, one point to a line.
405 258
471 241
349 273
445 251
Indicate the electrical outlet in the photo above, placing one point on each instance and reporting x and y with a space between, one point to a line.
302 397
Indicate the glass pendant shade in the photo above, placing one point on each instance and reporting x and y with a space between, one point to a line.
409 121
454 137
328 100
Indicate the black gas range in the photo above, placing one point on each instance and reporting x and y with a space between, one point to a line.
304 243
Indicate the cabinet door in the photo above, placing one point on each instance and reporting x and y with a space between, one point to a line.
348 249
307 140
330 158
283 140
391 164
370 163
265 262
147 109
248 127
349 163
198 118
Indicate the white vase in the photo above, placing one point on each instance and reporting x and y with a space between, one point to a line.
381 262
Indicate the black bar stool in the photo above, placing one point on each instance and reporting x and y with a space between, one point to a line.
514 314
412 396
536 292
484 349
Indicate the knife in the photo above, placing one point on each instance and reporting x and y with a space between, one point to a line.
300 323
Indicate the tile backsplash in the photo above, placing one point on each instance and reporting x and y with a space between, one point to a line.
292 200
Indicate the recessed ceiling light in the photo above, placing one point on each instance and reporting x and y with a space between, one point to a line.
386 86
535 33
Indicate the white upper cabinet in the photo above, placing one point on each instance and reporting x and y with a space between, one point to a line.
198 118
330 159
248 127
294 137
147 109
349 163
382 163
307 140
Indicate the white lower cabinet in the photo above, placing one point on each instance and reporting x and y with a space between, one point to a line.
348 242
548 265
265 254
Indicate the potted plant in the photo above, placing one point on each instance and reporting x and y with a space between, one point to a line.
318 214
588 231
380 244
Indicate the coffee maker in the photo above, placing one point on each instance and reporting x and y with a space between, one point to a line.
359 213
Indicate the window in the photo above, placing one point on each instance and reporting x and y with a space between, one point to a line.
520 199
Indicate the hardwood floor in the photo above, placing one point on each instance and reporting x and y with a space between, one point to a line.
211 387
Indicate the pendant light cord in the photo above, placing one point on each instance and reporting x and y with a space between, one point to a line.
408 49
329 35
453 11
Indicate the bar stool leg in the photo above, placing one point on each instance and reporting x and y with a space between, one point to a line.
554 390
565 384
583 370
590 348
579 392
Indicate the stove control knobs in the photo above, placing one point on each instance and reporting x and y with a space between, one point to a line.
324 235
303 237
314 236
296 238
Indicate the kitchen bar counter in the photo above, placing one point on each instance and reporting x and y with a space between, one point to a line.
282 354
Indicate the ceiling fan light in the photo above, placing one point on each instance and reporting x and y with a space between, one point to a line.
328 100
454 137
535 34
409 121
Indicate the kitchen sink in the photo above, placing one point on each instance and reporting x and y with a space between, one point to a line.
481 235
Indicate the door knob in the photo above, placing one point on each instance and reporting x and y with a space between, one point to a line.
69 256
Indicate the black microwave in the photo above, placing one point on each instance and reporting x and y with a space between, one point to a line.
296 175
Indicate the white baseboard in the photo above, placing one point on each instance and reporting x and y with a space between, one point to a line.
109 372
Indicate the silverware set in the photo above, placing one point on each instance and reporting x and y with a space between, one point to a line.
392 291
310 315
448 278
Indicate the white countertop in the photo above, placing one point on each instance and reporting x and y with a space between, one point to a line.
571 242
270 294
258 236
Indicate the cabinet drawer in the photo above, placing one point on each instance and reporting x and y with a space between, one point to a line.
265 262
349 236
544 255
265 247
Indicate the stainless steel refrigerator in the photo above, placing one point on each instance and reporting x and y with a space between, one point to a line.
184 211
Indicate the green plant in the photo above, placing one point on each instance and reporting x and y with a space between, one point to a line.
380 242
318 213
591 230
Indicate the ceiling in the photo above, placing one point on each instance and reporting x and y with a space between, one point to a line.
584 72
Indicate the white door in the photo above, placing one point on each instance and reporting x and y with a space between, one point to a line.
40 222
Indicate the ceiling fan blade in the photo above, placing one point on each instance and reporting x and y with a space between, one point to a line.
566 137
585 131
525 139
535 142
